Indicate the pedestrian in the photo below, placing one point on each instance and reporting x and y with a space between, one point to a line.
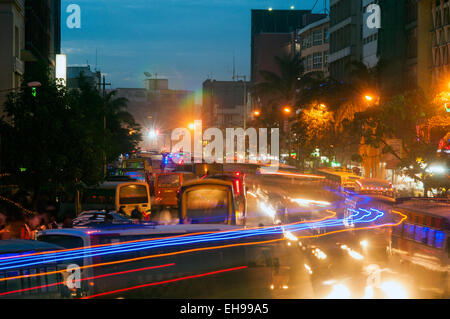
136 214
67 223
30 227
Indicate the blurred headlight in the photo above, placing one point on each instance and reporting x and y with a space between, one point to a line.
364 243
394 290
340 291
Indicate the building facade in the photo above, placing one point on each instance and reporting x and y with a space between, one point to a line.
12 39
74 73
311 43
271 36
345 36
42 32
170 109
224 103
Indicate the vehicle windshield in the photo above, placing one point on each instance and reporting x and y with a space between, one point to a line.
133 194
207 206
169 181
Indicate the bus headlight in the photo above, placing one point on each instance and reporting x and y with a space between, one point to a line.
394 290
339 291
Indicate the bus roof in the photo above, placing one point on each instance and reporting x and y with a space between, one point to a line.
18 246
114 184
429 206
136 230
210 181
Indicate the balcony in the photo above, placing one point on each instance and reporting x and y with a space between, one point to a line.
18 66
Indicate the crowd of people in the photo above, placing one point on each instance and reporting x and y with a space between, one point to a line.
15 224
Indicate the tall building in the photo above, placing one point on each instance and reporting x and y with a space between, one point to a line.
223 103
42 32
12 39
271 36
312 45
440 46
345 36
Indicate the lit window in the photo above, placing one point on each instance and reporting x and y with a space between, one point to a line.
439 239
431 237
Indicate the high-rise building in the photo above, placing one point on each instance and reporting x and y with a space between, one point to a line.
42 32
345 36
271 36
223 103
12 40
311 43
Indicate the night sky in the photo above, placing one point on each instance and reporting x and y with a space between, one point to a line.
182 40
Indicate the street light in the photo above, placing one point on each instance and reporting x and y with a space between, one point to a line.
287 110
369 98
323 106
191 126
153 134
256 113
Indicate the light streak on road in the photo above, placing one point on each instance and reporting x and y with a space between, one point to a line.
166 282
331 223
85 279
210 237
309 202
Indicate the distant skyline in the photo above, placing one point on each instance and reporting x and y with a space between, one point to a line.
185 41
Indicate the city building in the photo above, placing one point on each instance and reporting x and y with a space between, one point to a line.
171 109
74 73
42 32
12 39
312 45
345 36
440 47
271 36
223 103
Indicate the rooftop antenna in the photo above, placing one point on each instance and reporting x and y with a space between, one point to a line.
96 59
234 66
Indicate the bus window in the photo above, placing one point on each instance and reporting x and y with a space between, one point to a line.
14 284
133 194
418 234
397 230
99 196
172 180
439 239
207 206
409 231
424 238
431 237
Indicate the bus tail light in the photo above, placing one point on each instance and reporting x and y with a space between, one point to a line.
237 184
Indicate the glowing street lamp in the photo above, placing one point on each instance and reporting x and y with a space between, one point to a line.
323 106
256 113
191 126
369 98
287 110
153 134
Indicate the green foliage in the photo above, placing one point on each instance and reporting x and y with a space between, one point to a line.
59 136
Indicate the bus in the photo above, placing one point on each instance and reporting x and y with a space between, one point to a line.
138 164
167 271
376 188
31 287
122 197
209 201
339 179
420 246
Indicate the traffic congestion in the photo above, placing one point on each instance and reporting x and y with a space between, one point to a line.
211 231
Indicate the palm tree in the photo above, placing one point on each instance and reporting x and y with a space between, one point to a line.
281 88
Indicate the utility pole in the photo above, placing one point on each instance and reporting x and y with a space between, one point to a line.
104 84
